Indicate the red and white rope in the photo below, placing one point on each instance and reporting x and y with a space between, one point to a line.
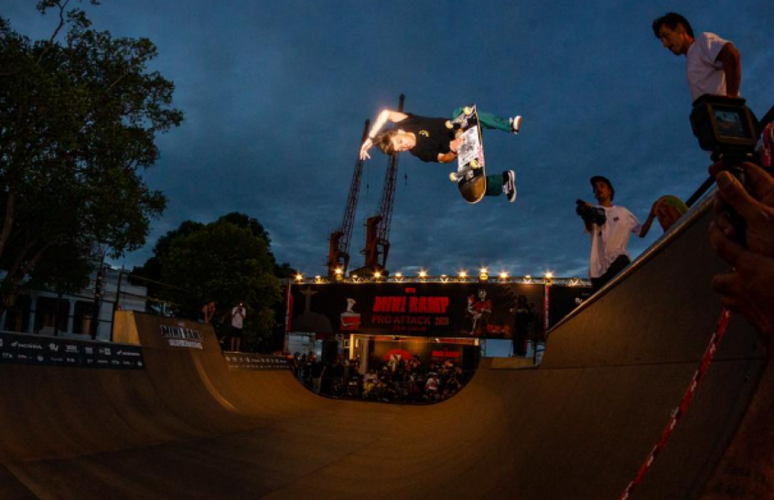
678 412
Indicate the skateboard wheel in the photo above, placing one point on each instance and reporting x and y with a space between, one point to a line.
453 176
474 164
449 124
467 110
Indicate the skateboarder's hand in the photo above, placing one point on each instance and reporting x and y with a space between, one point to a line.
364 149
754 203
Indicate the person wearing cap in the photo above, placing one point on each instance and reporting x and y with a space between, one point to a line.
609 239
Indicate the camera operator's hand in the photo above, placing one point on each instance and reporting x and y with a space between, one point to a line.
756 207
747 288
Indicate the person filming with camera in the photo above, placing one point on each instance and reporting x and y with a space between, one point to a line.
610 227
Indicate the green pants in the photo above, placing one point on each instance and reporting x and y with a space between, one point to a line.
494 185
488 120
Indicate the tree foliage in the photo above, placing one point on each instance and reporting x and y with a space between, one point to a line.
226 262
78 124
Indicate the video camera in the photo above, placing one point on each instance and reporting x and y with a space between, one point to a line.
590 214
726 127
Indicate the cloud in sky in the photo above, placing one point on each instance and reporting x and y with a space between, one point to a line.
276 93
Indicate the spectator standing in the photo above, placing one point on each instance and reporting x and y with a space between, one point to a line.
318 370
432 387
339 372
238 315
208 311
354 381
609 234
295 364
713 65
307 376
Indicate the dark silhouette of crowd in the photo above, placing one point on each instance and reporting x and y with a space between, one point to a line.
404 381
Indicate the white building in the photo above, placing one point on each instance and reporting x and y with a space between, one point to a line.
70 316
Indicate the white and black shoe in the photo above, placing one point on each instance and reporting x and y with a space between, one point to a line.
515 124
509 185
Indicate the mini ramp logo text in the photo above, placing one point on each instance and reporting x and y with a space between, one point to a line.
178 336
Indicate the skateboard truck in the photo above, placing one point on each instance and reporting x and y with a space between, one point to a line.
463 174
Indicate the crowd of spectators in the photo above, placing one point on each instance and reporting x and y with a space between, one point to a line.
398 380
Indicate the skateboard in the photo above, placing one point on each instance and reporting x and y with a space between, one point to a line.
470 175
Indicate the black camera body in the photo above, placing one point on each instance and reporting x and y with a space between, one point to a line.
726 127
590 214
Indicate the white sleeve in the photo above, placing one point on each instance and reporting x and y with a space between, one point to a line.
635 224
711 45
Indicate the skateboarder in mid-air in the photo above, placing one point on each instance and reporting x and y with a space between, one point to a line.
431 140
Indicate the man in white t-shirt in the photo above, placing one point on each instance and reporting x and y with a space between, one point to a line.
713 65
238 314
609 239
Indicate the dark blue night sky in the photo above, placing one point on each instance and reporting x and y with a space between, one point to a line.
276 93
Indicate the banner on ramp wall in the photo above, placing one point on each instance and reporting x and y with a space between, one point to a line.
249 361
423 309
53 351
182 336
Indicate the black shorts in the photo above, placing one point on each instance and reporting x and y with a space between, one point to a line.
616 267
236 333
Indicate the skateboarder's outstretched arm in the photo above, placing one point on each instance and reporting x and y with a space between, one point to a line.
393 116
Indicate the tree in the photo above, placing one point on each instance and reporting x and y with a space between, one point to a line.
150 272
220 262
78 123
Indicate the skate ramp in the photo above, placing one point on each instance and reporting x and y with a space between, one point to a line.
578 427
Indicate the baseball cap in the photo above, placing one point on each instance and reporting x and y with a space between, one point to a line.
605 180
600 178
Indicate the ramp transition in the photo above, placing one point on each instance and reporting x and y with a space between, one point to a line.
577 427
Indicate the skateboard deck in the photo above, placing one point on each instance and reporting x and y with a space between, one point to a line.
471 174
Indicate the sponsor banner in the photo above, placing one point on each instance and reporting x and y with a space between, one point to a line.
52 351
480 309
249 361
181 336
427 352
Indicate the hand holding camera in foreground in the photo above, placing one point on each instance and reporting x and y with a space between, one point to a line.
747 289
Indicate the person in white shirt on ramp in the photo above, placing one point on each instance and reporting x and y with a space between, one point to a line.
713 65
238 314
610 227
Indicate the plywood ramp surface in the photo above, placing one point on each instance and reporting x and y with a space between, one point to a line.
578 427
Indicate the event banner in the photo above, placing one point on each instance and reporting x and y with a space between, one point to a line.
54 351
250 361
181 336
426 352
424 309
